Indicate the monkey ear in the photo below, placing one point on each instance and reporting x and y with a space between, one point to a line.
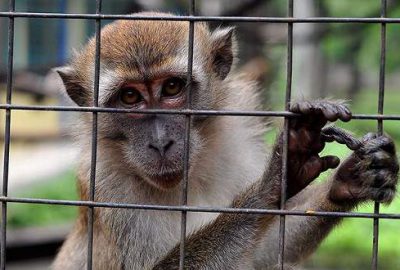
71 82
224 50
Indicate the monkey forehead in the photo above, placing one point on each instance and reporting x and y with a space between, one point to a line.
148 43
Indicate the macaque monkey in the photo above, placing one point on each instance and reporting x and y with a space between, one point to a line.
140 157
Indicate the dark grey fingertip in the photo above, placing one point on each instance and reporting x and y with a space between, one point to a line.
335 162
327 138
354 144
331 162
305 107
346 114
331 115
346 109
330 112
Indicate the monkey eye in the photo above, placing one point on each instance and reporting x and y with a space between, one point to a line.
172 87
130 96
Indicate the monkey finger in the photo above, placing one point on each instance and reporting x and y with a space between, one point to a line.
305 141
327 138
333 133
312 115
317 113
344 113
330 112
335 111
310 171
303 107
329 162
315 165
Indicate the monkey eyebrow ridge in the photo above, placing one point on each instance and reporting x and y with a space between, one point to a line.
109 89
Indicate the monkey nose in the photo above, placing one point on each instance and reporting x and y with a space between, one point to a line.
161 146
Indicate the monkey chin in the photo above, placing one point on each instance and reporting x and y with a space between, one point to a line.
165 181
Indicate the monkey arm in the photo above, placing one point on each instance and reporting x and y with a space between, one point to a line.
225 243
303 234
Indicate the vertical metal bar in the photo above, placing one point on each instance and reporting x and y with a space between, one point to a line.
382 67
184 190
94 138
10 64
288 95
375 241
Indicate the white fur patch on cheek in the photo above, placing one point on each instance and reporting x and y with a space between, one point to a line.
196 145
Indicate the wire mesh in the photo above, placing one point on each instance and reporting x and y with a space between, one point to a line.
192 18
7 131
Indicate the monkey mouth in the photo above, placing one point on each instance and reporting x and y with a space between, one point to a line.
166 180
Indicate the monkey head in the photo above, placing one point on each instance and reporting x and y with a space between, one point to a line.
143 65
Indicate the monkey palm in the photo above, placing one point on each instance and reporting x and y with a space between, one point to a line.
144 65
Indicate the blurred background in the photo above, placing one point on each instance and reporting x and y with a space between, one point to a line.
329 60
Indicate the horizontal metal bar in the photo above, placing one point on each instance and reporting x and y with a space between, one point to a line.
183 112
47 15
197 208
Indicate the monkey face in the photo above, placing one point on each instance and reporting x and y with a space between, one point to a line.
143 65
153 145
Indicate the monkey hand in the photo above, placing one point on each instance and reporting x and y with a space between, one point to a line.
306 141
370 173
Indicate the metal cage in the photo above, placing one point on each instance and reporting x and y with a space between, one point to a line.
192 18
